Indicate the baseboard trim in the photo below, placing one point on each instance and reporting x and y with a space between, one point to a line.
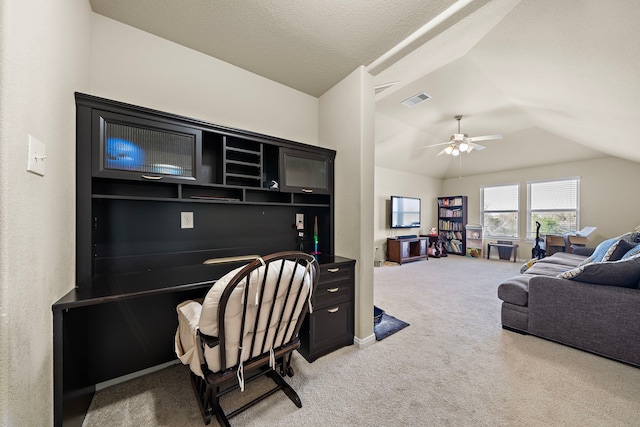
109 383
364 342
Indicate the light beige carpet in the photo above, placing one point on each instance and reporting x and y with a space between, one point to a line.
453 366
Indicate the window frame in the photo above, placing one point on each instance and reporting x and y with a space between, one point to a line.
530 233
516 211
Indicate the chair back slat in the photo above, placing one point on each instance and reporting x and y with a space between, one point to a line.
264 347
275 342
292 329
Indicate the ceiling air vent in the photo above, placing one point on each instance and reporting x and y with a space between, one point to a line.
384 86
416 99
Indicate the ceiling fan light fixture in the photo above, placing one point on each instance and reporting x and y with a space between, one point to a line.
455 152
464 146
449 149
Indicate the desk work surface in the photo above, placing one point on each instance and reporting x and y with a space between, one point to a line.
116 287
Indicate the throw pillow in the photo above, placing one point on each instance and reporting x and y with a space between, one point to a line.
618 250
624 273
632 252
600 251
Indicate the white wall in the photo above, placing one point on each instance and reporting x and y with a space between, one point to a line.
347 125
44 52
607 197
136 67
389 182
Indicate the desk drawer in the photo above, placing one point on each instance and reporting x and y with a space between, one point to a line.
334 294
335 273
331 327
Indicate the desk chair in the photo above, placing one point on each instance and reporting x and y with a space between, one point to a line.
246 327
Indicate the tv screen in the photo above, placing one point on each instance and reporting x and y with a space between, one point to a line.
405 212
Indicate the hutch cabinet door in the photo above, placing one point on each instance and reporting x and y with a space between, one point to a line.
305 172
131 147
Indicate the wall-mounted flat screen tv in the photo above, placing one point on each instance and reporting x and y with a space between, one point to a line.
405 212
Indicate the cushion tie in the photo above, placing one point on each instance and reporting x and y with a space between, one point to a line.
272 358
307 272
257 302
240 371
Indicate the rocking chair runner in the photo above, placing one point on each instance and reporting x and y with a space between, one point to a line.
246 327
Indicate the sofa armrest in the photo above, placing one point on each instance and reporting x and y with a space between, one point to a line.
581 250
597 318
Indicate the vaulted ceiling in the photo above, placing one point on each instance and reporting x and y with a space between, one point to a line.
560 80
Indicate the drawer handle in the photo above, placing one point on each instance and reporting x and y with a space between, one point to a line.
333 310
332 290
307 190
333 270
154 177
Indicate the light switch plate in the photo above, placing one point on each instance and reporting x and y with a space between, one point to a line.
37 153
186 219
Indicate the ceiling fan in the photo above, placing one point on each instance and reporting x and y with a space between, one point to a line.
461 142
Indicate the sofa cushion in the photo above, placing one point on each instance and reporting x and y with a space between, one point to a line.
515 290
565 258
624 273
548 269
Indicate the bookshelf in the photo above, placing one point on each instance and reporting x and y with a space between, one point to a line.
474 240
452 217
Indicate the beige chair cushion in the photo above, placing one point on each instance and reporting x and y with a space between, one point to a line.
206 319
186 340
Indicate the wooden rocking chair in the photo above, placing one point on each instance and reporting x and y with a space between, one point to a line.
246 327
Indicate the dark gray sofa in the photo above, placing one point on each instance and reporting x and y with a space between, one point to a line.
596 310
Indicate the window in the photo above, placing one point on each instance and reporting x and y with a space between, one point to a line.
555 205
500 210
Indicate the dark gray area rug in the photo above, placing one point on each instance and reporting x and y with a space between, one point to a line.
388 325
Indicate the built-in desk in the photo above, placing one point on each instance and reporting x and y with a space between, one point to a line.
157 194
118 325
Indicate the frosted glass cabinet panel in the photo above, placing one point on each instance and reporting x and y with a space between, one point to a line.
134 148
305 172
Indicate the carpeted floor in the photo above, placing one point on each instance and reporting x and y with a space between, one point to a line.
454 366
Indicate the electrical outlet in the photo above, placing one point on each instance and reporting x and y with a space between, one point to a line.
299 221
186 219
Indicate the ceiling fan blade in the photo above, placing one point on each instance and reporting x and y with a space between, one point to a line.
442 152
473 145
435 145
484 138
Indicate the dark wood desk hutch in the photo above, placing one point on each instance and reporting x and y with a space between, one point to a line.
157 195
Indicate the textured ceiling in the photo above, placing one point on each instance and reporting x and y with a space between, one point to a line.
559 79
308 45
